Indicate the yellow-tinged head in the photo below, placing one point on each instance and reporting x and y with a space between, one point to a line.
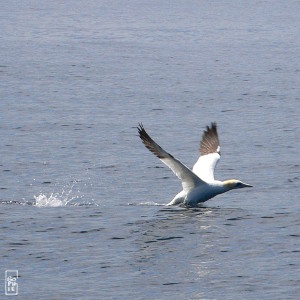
235 184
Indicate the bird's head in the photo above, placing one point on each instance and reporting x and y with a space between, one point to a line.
235 184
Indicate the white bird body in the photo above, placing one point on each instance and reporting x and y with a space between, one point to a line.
199 194
198 184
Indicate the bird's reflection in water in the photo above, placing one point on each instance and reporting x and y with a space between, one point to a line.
182 239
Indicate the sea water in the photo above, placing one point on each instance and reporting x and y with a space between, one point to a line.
82 213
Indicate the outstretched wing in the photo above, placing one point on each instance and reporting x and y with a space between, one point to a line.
188 178
210 154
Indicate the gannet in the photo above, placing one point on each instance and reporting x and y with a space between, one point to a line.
198 184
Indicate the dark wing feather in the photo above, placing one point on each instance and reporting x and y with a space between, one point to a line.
188 178
151 145
210 141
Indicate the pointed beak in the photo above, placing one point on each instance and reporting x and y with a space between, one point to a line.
246 185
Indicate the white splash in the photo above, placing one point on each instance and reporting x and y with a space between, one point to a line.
54 200
151 203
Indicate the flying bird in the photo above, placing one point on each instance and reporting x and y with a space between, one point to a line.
198 184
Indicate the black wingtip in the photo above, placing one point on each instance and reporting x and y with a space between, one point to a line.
212 127
143 134
141 129
210 140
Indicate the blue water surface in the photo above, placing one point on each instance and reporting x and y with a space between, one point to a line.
82 202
